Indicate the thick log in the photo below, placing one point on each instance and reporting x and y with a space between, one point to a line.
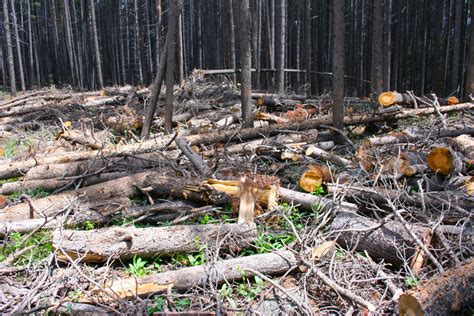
444 294
365 234
393 97
126 242
465 144
230 270
123 187
321 154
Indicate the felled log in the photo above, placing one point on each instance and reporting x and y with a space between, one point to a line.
12 168
393 97
379 195
443 160
126 242
406 137
318 153
311 202
465 144
276 263
362 233
447 293
85 138
46 206
251 133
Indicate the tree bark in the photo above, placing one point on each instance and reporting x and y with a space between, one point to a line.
100 81
470 67
245 63
338 64
377 47
18 48
280 44
444 294
307 44
175 11
126 242
11 65
275 263
384 242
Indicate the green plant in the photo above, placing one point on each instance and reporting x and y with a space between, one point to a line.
339 255
319 191
411 281
182 304
41 250
33 193
137 267
158 306
88 225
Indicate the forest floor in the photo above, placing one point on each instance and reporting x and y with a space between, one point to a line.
223 220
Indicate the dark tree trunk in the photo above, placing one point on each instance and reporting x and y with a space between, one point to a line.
18 48
100 81
455 84
470 67
377 38
245 62
175 10
11 65
307 44
280 43
338 64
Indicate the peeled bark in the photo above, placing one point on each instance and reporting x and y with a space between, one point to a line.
126 242
276 263
447 293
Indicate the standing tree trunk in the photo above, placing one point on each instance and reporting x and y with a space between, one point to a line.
69 40
100 81
470 67
230 12
307 44
377 38
180 52
158 33
18 47
455 84
56 73
137 44
245 62
280 15
30 45
11 65
175 10
338 64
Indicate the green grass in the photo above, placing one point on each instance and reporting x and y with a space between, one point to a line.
42 240
33 193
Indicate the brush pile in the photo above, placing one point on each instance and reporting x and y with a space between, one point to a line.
292 216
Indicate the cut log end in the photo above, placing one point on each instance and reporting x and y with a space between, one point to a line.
441 160
387 98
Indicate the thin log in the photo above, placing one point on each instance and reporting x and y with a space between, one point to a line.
276 263
195 159
251 133
443 294
321 154
124 243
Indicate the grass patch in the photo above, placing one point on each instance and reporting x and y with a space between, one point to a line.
33 193
42 241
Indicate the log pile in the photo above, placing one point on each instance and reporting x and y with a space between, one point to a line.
209 213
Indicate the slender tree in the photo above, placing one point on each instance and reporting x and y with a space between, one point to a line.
30 45
280 29
230 21
457 47
174 12
470 68
377 38
18 48
245 63
338 64
11 65
180 52
100 80
307 43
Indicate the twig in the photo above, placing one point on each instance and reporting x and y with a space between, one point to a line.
304 309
